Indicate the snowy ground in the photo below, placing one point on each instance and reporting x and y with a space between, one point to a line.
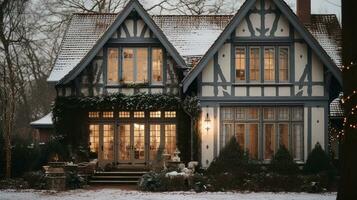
119 194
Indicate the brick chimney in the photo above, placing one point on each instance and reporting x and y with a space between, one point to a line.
303 10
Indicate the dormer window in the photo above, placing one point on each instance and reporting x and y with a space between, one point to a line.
133 66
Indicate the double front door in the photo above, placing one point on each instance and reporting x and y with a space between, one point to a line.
130 144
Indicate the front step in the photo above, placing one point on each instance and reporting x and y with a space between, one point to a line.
118 177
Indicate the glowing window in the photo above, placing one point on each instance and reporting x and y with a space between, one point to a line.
93 114
108 114
124 114
156 114
170 114
139 114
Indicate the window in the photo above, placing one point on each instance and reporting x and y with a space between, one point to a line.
280 126
157 65
93 114
156 114
154 140
170 114
135 65
240 64
254 64
112 74
108 142
108 114
283 64
124 114
170 138
94 138
269 64
139 114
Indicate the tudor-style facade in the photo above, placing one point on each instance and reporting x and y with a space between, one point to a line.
261 76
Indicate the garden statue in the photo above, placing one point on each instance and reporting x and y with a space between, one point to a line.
176 158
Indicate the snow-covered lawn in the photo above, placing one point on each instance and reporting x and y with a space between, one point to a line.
118 194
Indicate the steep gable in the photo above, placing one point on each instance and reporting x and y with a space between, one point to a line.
71 71
257 21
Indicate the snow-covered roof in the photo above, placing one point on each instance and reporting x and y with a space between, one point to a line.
327 31
191 35
44 122
82 33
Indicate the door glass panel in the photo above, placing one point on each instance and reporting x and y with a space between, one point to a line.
139 141
170 138
253 141
124 142
108 142
269 131
94 138
240 135
154 140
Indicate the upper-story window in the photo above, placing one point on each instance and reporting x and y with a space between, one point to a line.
133 66
255 63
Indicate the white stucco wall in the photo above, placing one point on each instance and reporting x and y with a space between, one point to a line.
207 137
317 126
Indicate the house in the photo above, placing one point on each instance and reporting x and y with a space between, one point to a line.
264 75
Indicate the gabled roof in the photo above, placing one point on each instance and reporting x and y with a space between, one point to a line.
133 5
292 18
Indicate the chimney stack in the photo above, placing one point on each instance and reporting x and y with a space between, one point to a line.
304 11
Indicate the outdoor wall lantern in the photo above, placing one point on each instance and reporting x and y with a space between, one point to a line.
207 122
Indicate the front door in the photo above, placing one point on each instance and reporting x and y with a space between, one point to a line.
131 145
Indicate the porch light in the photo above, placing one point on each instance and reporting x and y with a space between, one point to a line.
207 122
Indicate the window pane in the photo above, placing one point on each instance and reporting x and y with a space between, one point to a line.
284 135
112 69
253 113
240 113
154 140
124 114
94 138
240 135
269 64
139 114
128 65
93 114
157 65
269 114
269 132
297 141
298 113
124 142
228 113
108 114
170 114
283 64
240 64
254 64
108 142
156 114
227 134
142 65
283 113
139 141
253 141
170 138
